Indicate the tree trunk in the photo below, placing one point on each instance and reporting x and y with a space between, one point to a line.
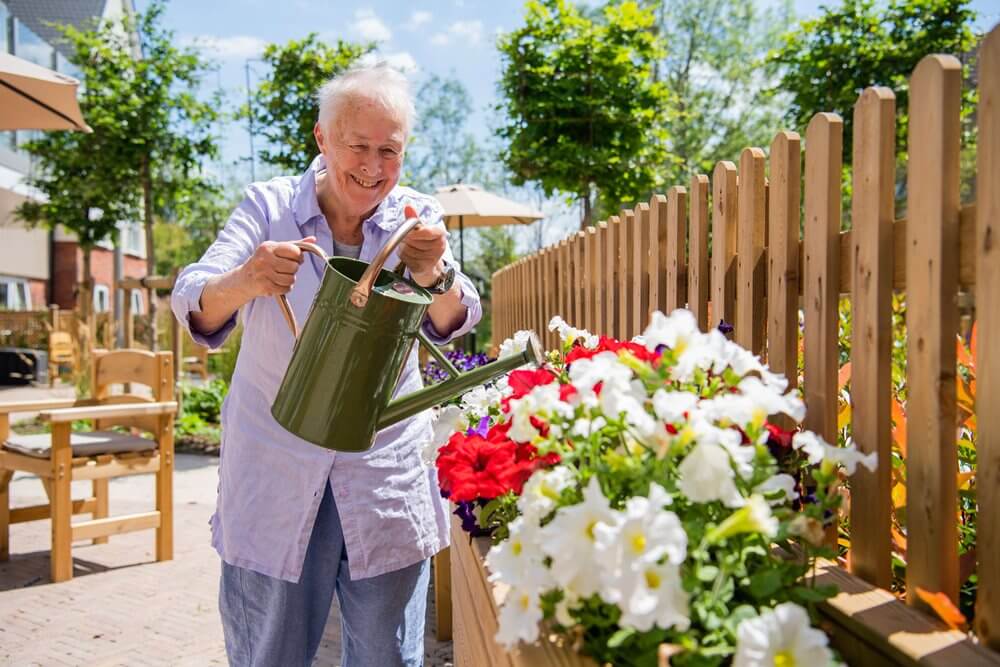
588 213
147 214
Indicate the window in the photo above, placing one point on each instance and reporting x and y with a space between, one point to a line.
4 20
14 294
134 239
102 299
137 302
31 47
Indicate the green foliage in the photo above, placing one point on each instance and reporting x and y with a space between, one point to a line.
150 131
496 250
581 108
284 105
185 240
829 60
224 363
206 402
717 71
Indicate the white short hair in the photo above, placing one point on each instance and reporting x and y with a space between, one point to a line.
378 82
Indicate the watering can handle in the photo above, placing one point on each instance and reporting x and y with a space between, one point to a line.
286 309
361 291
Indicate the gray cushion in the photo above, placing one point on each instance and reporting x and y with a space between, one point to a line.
83 444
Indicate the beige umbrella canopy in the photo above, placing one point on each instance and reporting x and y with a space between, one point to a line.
471 206
35 98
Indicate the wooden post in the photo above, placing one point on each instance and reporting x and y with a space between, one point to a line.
988 352
750 260
611 287
724 237
783 257
640 268
61 558
871 241
697 271
657 254
600 256
932 326
626 267
676 247
579 293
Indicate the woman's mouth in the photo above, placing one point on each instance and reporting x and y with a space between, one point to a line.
365 184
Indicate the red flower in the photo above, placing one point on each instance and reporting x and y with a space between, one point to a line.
522 382
472 467
567 392
606 344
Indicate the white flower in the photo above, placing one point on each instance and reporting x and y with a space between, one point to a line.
655 596
771 401
604 368
515 345
780 482
781 636
675 331
479 400
568 334
448 420
706 475
518 561
564 608
646 532
520 615
754 517
569 539
542 401
818 450
670 406
542 491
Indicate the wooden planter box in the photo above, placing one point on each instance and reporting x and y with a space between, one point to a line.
867 625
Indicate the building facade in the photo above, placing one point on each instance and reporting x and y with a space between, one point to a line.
39 267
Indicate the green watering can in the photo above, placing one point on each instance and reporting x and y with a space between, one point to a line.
338 386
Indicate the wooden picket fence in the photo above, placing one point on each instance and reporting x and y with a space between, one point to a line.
760 274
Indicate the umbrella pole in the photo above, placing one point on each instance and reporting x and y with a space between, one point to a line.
461 244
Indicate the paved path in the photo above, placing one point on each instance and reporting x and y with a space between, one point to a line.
121 607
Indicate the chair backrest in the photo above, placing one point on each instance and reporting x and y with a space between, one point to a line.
154 370
60 346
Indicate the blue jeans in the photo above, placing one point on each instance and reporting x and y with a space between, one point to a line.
267 621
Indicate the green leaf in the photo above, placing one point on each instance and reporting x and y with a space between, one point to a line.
765 583
616 639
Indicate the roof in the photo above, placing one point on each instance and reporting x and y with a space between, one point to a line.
39 14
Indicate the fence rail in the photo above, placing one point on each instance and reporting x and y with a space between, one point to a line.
761 272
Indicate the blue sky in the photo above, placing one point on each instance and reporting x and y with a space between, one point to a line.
445 37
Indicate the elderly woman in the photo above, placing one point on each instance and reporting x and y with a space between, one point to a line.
296 523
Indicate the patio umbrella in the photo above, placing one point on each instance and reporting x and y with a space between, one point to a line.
33 97
470 205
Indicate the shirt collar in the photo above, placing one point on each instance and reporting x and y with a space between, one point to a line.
305 206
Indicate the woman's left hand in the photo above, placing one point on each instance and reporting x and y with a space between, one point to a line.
422 250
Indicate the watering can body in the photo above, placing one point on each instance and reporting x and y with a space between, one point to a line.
338 387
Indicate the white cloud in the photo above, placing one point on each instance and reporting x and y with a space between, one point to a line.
463 32
418 18
400 60
234 47
369 26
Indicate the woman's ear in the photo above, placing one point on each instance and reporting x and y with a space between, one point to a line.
320 139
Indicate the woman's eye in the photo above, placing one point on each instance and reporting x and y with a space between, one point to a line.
359 148
390 154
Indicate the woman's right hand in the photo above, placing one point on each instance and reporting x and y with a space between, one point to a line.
272 268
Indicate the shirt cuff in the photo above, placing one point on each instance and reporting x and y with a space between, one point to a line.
186 300
473 312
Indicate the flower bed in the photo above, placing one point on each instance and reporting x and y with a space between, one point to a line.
641 504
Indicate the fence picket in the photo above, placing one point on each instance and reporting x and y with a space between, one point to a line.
578 284
597 288
988 352
611 250
783 256
750 275
821 268
603 240
697 273
724 237
657 253
676 247
626 268
640 264
871 299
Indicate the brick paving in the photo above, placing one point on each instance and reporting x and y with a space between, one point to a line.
122 607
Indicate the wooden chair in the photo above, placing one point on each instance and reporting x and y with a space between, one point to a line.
63 456
61 351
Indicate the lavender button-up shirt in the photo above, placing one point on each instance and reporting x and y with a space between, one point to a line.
270 481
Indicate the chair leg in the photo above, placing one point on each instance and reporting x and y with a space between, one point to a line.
62 505
165 506
100 488
5 476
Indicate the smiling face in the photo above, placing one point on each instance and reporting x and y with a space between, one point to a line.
363 147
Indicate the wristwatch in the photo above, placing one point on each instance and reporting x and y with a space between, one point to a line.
444 281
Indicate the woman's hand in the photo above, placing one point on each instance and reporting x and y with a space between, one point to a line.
421 250
272 268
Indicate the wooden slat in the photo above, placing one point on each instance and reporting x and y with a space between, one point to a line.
550 286
86 530
589 266
11 407
871 216
676 247
119 467
657 253
126 366
66 415
724 237
783 257
626 270
61 561
750 260
612 293
578 320
601 254
821 270
640 268
38 512
11 461
932 326
442 595
988 352
5 512
698 279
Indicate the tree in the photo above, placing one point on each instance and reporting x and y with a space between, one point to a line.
829 60
284 107
717 71
496 250
151 134
442 151
580 103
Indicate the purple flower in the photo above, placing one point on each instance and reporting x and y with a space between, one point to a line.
466 511
480 429
725 327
